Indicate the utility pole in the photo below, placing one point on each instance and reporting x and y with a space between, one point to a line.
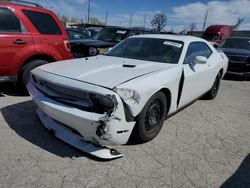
145 19
106 21
205 20
130 21
88 18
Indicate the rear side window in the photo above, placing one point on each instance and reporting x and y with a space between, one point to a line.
9 22
197 49
207 51
43 22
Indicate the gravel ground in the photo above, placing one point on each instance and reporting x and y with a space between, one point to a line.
205 145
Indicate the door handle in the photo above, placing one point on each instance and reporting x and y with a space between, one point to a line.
19 41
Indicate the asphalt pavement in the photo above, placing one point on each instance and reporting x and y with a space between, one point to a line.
205 145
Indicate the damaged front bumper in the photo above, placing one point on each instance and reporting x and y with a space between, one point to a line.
100 129
68 136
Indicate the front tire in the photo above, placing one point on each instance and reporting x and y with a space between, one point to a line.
212 93
25 75
151 118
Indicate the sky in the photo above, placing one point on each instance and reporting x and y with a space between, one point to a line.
180 13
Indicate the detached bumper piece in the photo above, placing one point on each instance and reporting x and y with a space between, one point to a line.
75 140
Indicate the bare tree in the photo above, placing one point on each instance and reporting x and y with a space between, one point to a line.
192 26
81 20
159 21
95 20
73 20
239 22
184 31
64 19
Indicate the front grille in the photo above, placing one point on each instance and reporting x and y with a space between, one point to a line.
69 96
247 68
236 63
62 91
235 67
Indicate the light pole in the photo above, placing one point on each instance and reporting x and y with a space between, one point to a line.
88 11
130 20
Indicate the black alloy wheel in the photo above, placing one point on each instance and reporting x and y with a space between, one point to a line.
150 120
212 93
153 116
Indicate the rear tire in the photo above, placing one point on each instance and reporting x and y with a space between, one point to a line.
25 75
151 118
212 93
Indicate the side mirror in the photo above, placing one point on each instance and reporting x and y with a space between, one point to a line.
200 60
215 44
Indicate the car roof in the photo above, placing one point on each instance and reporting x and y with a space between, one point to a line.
12 4
184 38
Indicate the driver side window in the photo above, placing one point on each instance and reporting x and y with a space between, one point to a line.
197 49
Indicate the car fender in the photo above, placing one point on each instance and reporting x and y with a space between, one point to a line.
147 85
48 49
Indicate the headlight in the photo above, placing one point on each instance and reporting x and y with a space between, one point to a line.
128 94
106 102
102 50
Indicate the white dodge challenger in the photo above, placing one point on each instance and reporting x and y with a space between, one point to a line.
127 92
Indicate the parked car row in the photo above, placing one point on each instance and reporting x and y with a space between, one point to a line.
32 36
106 38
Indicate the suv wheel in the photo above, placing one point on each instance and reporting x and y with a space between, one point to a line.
25 76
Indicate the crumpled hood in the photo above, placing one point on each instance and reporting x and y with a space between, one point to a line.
102 70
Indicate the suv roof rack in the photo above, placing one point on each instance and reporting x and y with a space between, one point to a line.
26 2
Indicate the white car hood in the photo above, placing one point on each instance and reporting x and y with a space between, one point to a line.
102 70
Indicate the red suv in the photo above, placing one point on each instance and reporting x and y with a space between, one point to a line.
30 36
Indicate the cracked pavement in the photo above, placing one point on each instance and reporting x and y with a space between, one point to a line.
205 145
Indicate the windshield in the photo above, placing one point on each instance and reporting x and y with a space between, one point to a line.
76 35
238 43
210 36
111 34
149 49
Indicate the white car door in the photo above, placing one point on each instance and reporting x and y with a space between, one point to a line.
197 79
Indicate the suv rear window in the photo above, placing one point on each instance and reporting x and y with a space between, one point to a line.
9 22
43 22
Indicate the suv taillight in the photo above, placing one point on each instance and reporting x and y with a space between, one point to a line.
67 45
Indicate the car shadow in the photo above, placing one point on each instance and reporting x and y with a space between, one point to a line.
241 178
233 77
12 90
22 118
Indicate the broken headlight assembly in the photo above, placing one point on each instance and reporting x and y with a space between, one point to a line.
128 94
103 103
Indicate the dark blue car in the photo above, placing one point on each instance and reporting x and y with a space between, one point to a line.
237 50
